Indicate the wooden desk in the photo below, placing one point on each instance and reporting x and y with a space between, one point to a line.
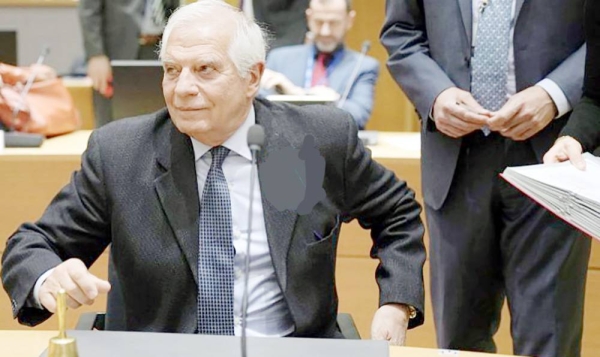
32 343
31 177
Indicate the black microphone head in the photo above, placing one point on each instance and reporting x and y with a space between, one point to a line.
256 137
366 46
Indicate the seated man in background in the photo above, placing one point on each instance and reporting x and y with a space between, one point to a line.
170 192
325 67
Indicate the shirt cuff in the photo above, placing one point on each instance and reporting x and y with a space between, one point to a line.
35 298
558 96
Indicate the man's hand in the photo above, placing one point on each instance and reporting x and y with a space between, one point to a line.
524 114
42 72
100 71
456 113
81 286
566 148
390 323
280 83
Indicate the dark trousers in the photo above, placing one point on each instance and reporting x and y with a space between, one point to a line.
488 242
103 106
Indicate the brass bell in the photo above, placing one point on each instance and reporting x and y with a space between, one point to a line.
61 345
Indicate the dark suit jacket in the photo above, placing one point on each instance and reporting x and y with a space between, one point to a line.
285 20
584 124
112 27
137 189
429 43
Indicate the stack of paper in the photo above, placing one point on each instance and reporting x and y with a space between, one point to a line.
571 194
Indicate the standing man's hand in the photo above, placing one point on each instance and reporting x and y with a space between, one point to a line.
100 71
566 148
390 324
81 286
456 113
524 114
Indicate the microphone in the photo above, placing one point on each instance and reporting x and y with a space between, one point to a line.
256 142
363 53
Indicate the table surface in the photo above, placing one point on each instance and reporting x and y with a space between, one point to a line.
32 343
390 145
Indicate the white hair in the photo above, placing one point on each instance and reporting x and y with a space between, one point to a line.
248 44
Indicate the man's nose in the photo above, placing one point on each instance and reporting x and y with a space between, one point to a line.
186 84
325 29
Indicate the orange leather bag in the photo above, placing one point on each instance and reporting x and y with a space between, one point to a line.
47 109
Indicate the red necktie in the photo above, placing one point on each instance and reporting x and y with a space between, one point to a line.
320 70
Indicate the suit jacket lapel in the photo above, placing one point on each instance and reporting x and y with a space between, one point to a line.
466 10
279 225
177 190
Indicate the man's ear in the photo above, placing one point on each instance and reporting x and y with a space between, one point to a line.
253 77
351 18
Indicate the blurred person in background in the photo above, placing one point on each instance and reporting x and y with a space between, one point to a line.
112 30
283 19
325 65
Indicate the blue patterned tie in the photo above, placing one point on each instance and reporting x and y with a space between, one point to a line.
215 260
490 58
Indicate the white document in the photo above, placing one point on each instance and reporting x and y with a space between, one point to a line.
569 193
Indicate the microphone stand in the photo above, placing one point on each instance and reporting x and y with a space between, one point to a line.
363 53
256 139
247 257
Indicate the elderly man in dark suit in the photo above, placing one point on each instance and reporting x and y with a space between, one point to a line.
171 192
493 82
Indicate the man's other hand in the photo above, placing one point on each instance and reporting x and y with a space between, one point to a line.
456 113
524 114
100 71
81 286
390 324
272 80
566 148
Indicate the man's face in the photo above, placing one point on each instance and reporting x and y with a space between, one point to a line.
329 21
206 96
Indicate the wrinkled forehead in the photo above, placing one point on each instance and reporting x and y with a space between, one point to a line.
209 34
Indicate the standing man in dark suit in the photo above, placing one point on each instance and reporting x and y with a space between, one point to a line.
493 82
124 29
284 19
171 192
582 132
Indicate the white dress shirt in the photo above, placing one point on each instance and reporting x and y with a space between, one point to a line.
558 96
268 314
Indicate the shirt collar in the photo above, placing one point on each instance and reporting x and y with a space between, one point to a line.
337 52
238 142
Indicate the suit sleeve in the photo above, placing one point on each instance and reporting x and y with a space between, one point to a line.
410 64
360 99
584 124
387 206
75 225
569 75
91 17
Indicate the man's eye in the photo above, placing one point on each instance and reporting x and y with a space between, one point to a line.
205 69
171 70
